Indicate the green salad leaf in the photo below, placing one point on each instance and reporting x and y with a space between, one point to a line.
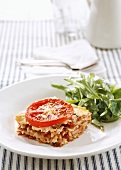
101 98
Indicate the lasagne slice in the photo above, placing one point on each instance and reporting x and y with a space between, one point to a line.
59 130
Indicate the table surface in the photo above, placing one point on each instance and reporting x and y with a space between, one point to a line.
17 41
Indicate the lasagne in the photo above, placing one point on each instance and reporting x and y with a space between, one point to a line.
53 121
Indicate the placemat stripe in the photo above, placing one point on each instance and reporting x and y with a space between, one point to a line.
94 162
109 160
101 161
3 158
116 159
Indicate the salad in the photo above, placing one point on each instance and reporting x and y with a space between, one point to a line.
101 98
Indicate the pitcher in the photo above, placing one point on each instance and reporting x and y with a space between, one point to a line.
104 26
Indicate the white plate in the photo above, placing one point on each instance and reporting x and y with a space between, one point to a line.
16 98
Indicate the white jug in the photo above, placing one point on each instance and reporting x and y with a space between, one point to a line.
104 26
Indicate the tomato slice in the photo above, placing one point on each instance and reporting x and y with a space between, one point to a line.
48 112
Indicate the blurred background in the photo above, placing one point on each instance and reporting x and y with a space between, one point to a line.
34 9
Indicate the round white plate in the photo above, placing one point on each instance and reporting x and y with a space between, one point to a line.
17 97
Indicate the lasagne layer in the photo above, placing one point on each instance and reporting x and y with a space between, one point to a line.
58 134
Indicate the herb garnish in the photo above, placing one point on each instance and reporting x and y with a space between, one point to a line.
101 98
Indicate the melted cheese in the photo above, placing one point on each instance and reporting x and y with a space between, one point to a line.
21 118
80 111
